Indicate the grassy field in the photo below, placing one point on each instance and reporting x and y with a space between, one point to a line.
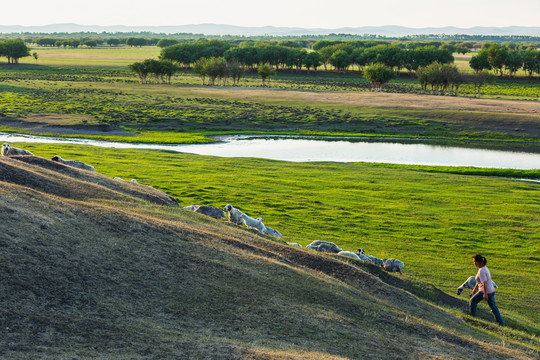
432 218
434 222
107 269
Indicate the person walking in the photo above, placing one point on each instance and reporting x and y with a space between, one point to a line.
484 289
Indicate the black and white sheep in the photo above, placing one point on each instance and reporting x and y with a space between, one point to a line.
8 150
211 211
73 163
252 223
470 283
392 265
235 215
321 245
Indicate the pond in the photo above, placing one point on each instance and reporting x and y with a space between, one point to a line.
394 151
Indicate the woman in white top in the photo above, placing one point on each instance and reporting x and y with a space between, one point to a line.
484 289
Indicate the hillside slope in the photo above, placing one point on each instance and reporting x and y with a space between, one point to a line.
98 268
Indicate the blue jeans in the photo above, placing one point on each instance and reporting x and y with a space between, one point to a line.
479 296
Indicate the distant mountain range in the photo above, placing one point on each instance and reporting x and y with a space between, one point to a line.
220 29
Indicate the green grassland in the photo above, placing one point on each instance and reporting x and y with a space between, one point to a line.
434 222
432 218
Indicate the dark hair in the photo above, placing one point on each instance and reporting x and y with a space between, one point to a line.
480 259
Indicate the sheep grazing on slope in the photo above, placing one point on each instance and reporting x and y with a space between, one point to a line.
470 283
270 231
252 223
321 245
235 215
211 211
73 163
294 244
8 150
349 254
374 259
392 265
192 207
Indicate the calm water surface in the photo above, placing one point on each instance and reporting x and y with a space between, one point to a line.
294 149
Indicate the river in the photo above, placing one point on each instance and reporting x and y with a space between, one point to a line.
295 149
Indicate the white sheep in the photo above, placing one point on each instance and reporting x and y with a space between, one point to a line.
235 215
374 260
252 223
73 163
191 207
321 245
119 178
392 265
8 150
294 244
349 254
270 231
470 283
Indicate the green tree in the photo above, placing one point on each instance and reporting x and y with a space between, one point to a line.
90 43
531 61
480 79
341 60
513 62
265 71
199 68
168 69
113 42
14 49
141 69
236 71
35 55
378 75
313 60
163 43
480 62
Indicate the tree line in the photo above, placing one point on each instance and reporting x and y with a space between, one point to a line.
505 59
341 55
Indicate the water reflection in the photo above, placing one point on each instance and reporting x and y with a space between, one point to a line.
302 149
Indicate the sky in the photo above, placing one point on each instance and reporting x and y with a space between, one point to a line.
329 14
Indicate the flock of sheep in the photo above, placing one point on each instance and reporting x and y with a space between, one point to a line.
239 218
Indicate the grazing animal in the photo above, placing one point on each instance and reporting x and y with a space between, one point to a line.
118 178
374 260
8 150
392 265
294 244
321 245
270 231
191 207
470 283
252 223
360 251
235 215
73 163
349 254
211 211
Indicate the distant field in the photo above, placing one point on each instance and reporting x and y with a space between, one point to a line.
116 59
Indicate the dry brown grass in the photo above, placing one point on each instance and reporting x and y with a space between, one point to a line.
94 268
